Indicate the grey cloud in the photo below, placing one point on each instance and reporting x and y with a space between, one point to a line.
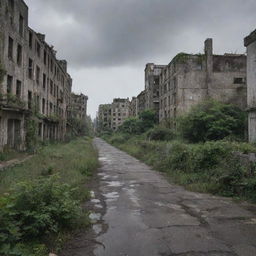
125 32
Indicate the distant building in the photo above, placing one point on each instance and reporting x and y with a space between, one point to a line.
192 78
250 43
78 106
133 112
152 79
111 116
141 102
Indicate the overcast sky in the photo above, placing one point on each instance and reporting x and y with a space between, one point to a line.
108 42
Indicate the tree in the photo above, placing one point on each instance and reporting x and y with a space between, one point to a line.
212 120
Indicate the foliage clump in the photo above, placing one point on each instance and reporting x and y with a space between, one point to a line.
34 211
212 120
160 133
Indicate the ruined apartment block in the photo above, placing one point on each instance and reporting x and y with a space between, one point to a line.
192 78
250 43
133 111
141 102
152 79
78 106
111 116
35 84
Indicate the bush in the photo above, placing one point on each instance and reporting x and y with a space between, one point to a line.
212 120
34 211
132 126
118 138
160 133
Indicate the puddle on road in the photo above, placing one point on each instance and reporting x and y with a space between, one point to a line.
95 201
97 228
131 194
114 184
94 217
111 197
104 159
99 206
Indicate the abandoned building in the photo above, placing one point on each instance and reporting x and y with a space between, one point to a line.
141 102
192 78
250 43
111 116
133 107
35 85
78 106
152 78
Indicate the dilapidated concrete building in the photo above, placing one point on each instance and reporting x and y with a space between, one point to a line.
78 106
35 85
111 116
192 78
133 109
152 79
250 43
141 102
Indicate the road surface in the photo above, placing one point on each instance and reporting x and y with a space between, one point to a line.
145 215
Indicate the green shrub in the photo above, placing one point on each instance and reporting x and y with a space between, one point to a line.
212 120
132 126
160 133
35 210
118 138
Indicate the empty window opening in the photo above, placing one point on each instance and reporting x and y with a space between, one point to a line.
239 80
10 48
21 25
9 84
19 54
18 89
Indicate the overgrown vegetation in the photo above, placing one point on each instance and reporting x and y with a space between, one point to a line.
40 202
211 163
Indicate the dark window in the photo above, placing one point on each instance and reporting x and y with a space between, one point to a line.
19 54
18 88
11 4
51 87
44 81
37 74
10 48
30 68
21 25
38 49
43 106
29 99
9 84
45 55
30 40
239 80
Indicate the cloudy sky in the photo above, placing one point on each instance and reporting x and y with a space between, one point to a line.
108 42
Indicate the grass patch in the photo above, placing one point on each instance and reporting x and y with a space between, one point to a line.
41 198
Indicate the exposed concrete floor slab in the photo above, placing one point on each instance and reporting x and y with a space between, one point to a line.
144 215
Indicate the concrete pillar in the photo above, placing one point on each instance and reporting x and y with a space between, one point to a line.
208 49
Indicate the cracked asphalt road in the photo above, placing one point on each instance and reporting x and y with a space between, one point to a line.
145 215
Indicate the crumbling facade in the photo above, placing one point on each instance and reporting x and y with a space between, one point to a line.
190 79
78 106
35 85
250 43
152 79
141 102
133 111
111 116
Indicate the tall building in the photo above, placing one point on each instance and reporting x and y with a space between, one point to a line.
78 106
111 116
152 79
250 43
35 85
192 78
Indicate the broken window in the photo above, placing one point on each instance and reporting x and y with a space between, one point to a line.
30 68
9 84
29 99
51 87
45 57
19 54
239 80
21 25
18 89
44 81
10 48
38 49
43 106
30 40
37 74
